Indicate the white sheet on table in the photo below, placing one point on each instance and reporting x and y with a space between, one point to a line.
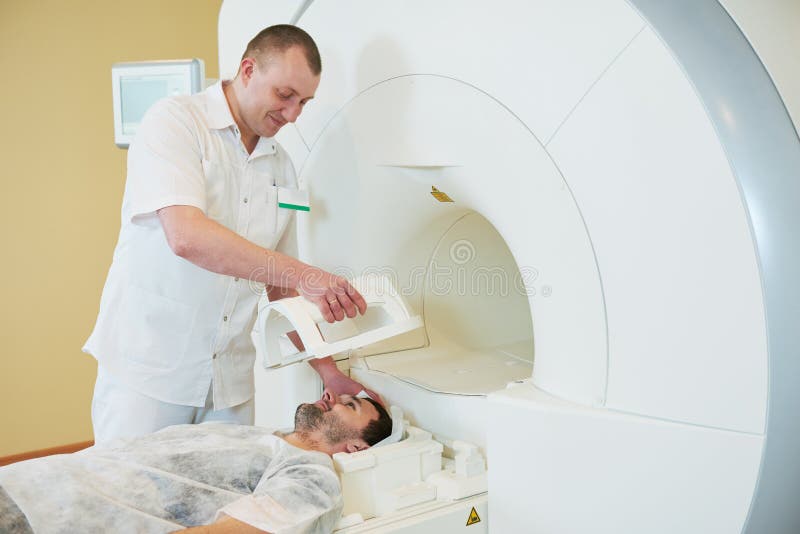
177 477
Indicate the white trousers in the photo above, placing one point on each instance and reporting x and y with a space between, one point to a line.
120 412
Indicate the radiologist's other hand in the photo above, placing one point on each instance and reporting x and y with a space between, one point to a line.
333 295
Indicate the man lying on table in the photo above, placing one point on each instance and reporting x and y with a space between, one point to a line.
232 478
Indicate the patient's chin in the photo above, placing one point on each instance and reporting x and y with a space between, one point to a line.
308 417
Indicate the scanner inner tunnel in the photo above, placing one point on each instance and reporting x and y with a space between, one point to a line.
476 312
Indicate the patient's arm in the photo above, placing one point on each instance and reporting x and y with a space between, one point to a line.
333 379
337 382
226 525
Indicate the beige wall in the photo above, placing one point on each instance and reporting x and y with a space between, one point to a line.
61 183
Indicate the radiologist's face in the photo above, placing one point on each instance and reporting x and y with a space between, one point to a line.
276 90
337 418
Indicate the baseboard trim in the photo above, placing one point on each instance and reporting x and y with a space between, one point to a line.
61 449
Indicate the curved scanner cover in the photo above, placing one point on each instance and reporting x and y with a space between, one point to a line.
387 316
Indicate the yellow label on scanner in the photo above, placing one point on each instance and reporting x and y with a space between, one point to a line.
441 197
473 517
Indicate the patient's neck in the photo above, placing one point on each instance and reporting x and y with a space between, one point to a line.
303 440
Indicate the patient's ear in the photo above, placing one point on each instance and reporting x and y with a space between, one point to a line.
357 445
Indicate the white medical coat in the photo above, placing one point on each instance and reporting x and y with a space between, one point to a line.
167 327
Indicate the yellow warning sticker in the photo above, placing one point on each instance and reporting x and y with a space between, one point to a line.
473 517
441 197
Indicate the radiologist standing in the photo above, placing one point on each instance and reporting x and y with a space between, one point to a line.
201 226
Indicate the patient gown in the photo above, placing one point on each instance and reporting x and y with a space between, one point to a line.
181 476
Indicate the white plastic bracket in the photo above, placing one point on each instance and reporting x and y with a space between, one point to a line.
387 316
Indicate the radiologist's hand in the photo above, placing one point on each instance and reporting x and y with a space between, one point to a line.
333 295
337 383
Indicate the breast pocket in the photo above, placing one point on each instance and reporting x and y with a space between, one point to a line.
274 221
221 192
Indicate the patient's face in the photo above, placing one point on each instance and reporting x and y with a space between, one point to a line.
338 418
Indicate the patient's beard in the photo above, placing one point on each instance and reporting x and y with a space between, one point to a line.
307 418
336 432
310 418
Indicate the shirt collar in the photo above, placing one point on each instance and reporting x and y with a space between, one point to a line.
220 117
265 147
219 114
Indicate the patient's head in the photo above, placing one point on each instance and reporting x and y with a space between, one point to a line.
341 423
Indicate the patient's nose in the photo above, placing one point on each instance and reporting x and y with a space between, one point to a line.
329 397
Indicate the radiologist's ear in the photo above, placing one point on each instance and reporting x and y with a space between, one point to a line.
246 69
358 445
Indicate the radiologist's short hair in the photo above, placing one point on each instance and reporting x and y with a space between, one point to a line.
377 429
280 38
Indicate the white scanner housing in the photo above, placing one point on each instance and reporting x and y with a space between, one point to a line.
609 300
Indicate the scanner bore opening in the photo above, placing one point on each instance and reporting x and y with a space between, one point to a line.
477 317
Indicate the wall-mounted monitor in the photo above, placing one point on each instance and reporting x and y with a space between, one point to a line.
137 86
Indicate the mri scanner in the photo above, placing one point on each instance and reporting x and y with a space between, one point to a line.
593 207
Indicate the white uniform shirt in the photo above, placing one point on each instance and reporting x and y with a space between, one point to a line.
167 327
